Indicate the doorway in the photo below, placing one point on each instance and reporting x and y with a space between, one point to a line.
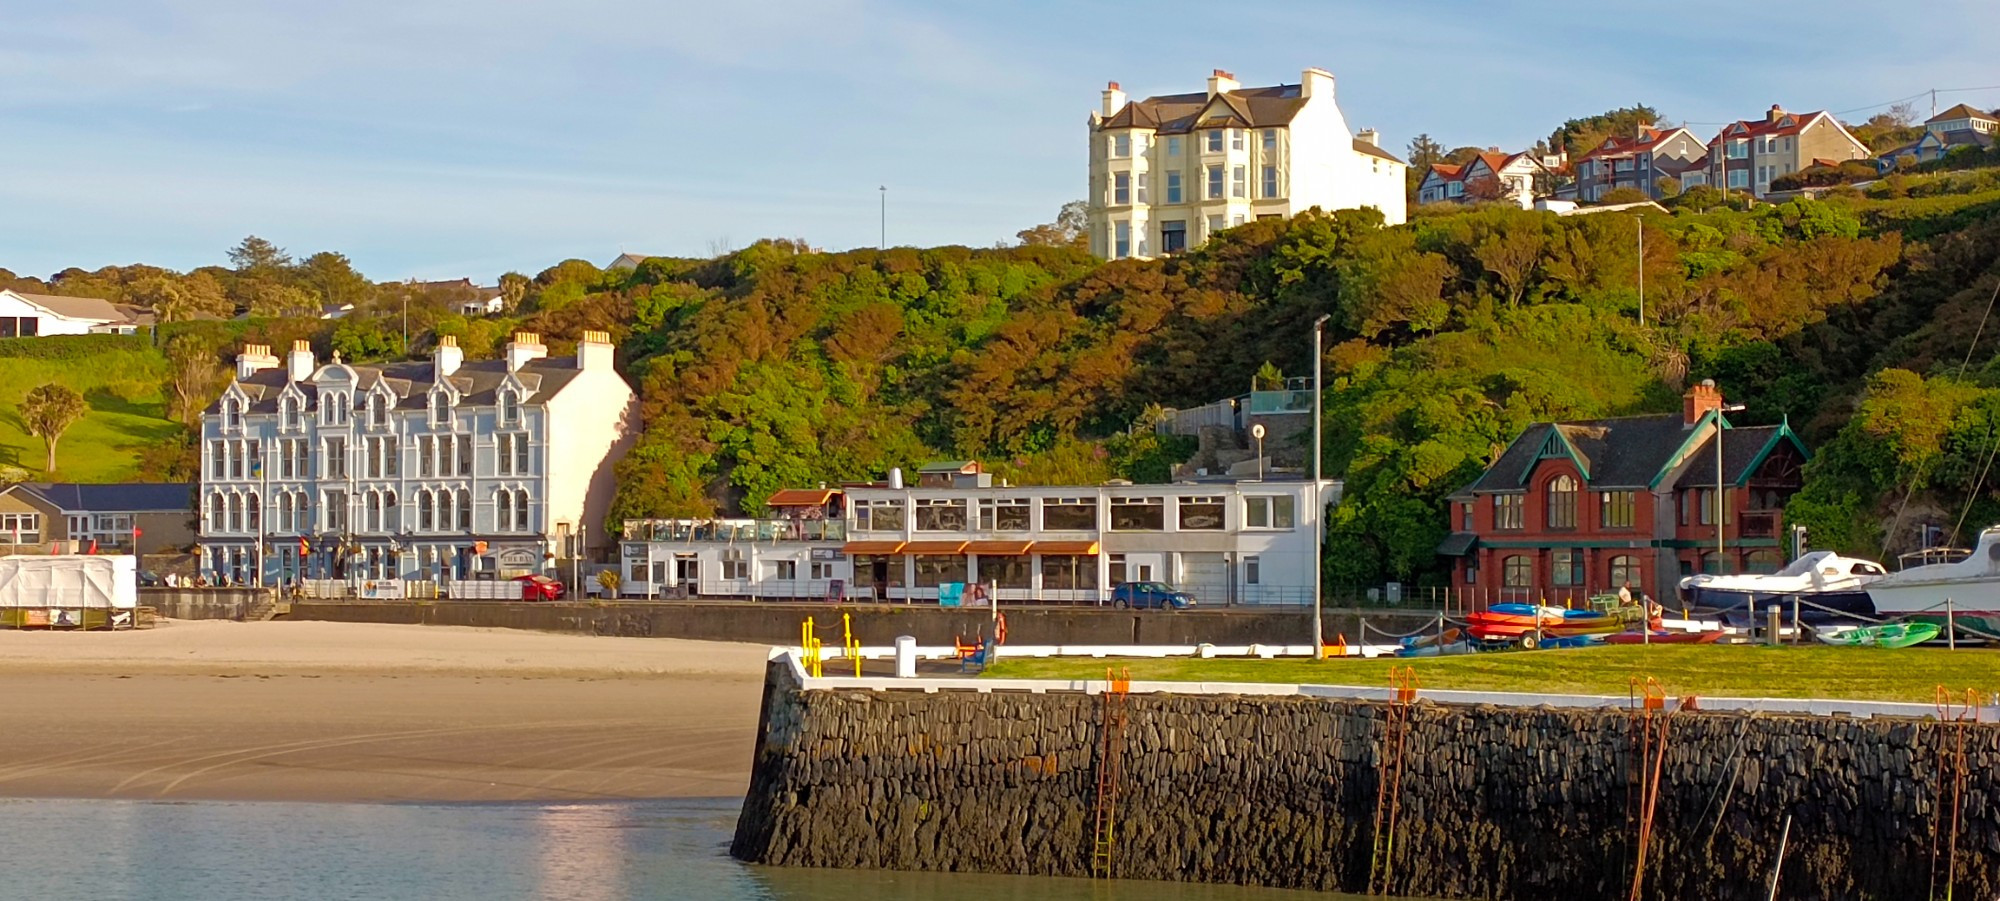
687 574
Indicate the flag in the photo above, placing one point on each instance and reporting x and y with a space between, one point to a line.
93 547
304 548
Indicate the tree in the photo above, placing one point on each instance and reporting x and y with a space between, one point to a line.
48 411
1578 136
331 276
254 256
514 289
178 299
1071 229
193 375
1623 195
1423 152
1488 189
268 298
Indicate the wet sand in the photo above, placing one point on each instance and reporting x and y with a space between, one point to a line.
360 712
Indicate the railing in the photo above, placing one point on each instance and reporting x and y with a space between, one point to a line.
1761 523
1263 403
1220 414
729 530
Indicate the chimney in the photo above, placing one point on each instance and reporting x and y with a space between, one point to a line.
447 356
1221 83
299 364
1700 401
1316 82
594 351
1776 112
527 346
1114 99
255 358
1369 137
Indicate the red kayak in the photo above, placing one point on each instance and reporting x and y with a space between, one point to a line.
1665 638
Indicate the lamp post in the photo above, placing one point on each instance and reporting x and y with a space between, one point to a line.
1636 217
1319 503
1721 508
1257 432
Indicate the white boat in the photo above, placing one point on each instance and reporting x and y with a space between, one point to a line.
1969 581
1824 579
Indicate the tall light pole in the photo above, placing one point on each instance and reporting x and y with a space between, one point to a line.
884 244
1642 266
1319 502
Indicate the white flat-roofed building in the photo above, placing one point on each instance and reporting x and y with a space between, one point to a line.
1224 540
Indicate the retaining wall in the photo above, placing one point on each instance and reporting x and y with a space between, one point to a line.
775 623
1495 802
203 603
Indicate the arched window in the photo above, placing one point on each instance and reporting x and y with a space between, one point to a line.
1715 563
301 512
1562 502
510 407
521 510
372 504
426 513
288 411
1625 571
503 510
218 520
391 518
1518 572
378 412
1761 561
465 509
236 513
232 414
250 513
440 408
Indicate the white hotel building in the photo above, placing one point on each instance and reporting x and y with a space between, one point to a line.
1167 172
1226 541
435 470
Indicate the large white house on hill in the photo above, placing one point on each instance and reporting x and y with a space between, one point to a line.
1166 172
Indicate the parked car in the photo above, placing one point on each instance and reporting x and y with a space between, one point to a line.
150 579
1149 595
536 587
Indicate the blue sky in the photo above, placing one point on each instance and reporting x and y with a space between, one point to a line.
440 138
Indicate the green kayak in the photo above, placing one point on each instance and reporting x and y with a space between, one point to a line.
1891 635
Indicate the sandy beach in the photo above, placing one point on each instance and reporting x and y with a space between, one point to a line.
352 712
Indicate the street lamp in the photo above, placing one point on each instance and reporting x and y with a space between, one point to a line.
1641 219
1319 503
1257 432
1721 508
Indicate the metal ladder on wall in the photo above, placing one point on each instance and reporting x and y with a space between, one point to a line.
1110 770
1389 778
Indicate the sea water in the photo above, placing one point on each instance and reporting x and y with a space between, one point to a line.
264 851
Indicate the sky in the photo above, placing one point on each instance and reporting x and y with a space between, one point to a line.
438 139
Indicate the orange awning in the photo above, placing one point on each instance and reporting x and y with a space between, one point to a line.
801 497
952 546
871 547
998 548
1085 548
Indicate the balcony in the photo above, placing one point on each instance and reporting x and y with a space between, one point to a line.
734 530
1761 523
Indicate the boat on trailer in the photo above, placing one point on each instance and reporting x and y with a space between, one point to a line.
1937 583
1831 588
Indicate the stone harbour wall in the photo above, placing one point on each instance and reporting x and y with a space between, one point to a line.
1494 802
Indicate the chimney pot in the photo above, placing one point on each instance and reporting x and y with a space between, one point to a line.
1111 86
525 347
299 364
1699 401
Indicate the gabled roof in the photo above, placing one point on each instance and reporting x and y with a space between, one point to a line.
801 497
1744 449
1621 452
1361 146
475 382
1447 172
1646 138
130 497
1961 111
1785 124
1183 113
93 308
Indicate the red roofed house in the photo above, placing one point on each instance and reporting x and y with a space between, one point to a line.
1572 509
1636 162
1746 156
1444 182
1491 175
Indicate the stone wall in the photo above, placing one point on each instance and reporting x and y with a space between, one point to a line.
203 603
777 623
1499 803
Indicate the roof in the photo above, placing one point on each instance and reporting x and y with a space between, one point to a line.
801 497
1743 450
1787 123
1447 171
74 307
1243 108
130 497
1457 544
948 466
477 382
1646 138
1620 452
1361 146
629 259
1961 111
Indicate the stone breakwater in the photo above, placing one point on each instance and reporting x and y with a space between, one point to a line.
1494 802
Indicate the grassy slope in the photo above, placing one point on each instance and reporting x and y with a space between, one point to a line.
1788 672
128 412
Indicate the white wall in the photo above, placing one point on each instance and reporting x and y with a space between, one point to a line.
590 424
13 305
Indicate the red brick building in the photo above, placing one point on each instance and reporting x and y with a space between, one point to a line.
1572 509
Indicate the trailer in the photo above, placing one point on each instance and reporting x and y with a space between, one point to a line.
95 591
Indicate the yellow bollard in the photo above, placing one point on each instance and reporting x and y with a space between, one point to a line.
848 644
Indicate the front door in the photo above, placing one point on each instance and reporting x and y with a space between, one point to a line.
1173 236
687 573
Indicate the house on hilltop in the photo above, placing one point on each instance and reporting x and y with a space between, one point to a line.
1637 161
1746 155
1572 509
1960 126
1169 171
24 315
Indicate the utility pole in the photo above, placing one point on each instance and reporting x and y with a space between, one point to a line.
1641 219
884 245
1319 501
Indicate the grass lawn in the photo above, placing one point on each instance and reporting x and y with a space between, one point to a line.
127 413
1910 674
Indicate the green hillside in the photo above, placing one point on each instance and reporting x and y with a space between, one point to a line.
122 378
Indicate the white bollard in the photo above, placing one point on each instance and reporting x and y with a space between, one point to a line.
906 657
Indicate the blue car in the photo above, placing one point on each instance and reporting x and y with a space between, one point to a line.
1150 595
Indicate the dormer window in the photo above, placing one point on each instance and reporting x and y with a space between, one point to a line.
510 407
288 413
378 412
232 413
333 408
440 408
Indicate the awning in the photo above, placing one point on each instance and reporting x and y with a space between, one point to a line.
998 548
871 547
801 497
1085 548
947 547
1457 544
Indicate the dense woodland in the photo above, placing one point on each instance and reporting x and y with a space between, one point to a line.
1863 318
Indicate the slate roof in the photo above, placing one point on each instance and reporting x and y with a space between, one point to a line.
1741 446
1961 111
1645 139
74 307
1622 452
1458 544
1361 146
130 497
1243 108
477 382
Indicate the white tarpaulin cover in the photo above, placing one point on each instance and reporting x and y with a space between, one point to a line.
96 581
